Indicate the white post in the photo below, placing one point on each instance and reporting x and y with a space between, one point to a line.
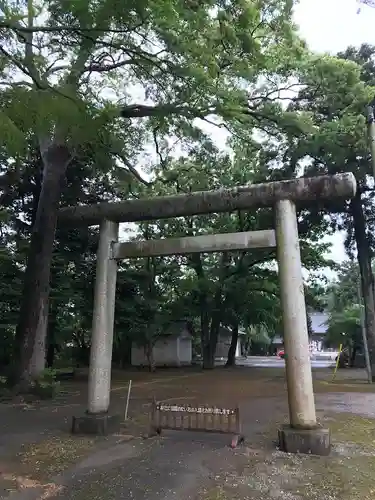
127 400
298 367
99 385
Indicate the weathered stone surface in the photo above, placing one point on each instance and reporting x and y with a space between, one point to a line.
296 337
312 441
196 244
223 200
100 425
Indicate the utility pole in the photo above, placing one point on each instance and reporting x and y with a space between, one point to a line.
364 336
371 132
371 137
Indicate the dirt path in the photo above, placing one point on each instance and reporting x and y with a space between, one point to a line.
174 467
183 466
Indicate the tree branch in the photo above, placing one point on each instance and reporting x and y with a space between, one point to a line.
39 84
163 163
19 65
101 68
58 29
132 170
264 290
142 110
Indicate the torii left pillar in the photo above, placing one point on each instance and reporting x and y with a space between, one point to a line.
97 419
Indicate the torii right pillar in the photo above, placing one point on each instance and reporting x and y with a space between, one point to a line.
303 435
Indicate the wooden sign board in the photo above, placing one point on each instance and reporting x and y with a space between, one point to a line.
197 419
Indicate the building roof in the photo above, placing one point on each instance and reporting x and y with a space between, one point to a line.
319 326
179 328
277 340
319 322
225 332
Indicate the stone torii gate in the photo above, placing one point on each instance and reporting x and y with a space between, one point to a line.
303 434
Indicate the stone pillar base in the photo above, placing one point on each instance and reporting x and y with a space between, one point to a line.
313 441
97 424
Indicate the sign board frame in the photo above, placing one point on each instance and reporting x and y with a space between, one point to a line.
179 417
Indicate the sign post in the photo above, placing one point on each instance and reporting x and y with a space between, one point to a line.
337 363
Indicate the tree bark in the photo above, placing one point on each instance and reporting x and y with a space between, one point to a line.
50 355
208 363
231 361
37 276
204 314
367 277
38 358
126 353
353 355
52 345
214 330
210 329
210 323
150 356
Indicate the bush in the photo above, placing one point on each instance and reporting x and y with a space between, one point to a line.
45 386
5 393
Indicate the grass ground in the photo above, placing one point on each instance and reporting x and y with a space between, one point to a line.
47 459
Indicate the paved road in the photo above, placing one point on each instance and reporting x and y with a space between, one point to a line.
275 362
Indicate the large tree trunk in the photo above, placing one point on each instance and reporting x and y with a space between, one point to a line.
367 278
52 345
126 353
353 355
207 361
215 327
149 350
37 276
50 355
213 332
38 358
210 324
231 361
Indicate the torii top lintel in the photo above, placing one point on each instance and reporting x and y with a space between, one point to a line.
304 189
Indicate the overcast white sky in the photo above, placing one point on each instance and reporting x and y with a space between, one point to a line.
330 26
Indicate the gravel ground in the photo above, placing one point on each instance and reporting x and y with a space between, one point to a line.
40 460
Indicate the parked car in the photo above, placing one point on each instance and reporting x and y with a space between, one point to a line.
328 355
